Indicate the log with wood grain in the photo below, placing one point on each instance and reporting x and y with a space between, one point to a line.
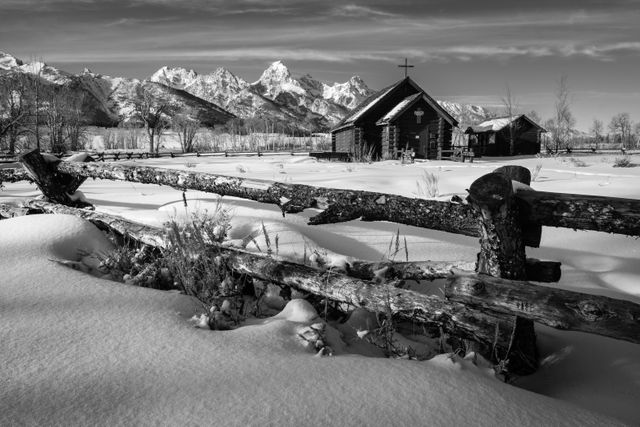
576 211
452 317
461 284
558 308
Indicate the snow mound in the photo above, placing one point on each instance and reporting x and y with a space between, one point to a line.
298 310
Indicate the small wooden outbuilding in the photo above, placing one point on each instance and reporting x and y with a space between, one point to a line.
493 137
401 116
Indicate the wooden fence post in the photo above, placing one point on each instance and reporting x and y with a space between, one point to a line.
55 185
531 233
502 254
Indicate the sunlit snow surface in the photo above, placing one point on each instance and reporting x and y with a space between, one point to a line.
77 350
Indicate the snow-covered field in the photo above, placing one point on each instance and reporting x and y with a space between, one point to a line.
78 350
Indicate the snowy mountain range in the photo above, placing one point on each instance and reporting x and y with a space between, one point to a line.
277 95
107 101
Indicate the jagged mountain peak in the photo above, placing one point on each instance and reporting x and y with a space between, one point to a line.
39 68
8 61
174 76
277 80
223 74
348 94
278 66
276 72
357 83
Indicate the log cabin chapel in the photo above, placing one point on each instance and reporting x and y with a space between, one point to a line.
401 116
404 117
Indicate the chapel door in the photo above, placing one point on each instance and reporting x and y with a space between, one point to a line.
423 145
432 142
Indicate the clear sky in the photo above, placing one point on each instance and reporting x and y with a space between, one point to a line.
465 51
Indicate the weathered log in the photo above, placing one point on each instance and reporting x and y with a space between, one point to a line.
560 309
345 205
406 304
537 271
467 320
453 317
455 218
581 212
155 236
14 175
367 270
340 205
502 254
425 270
144 234
55 185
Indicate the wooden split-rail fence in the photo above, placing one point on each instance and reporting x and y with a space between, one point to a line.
103 156
492 309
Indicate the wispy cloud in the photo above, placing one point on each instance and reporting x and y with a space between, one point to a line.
137 21
241 54
257 11
353 10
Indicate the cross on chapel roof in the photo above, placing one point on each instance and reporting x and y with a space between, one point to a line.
406 66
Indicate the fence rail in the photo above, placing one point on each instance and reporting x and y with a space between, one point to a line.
495 306
116 155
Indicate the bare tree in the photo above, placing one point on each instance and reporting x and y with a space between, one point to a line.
109 139
37 89
597 130
55 119
620 126
153 112
563 122
15 104
636 130
510 105
130 134
63 116
186 127
75 122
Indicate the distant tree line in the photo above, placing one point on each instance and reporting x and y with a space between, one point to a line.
50 116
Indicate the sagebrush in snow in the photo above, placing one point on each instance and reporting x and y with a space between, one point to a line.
395 248
536 172
133 265
364 153
197 267
622 162
428 186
